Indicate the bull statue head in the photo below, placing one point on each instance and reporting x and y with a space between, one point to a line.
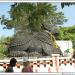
51 28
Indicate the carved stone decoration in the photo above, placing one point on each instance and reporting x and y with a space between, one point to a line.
35 44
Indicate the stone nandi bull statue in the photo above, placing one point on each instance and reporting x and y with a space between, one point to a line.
37 44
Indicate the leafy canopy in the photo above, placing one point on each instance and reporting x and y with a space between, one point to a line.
31 16
67 33
4 41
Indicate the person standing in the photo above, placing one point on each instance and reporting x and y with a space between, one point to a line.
27 67
12 64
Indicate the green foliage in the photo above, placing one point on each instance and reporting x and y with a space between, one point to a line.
2 51
32 15
67 33
63 4
3 46
61 35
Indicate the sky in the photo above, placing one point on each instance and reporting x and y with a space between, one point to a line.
4 8
69 13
